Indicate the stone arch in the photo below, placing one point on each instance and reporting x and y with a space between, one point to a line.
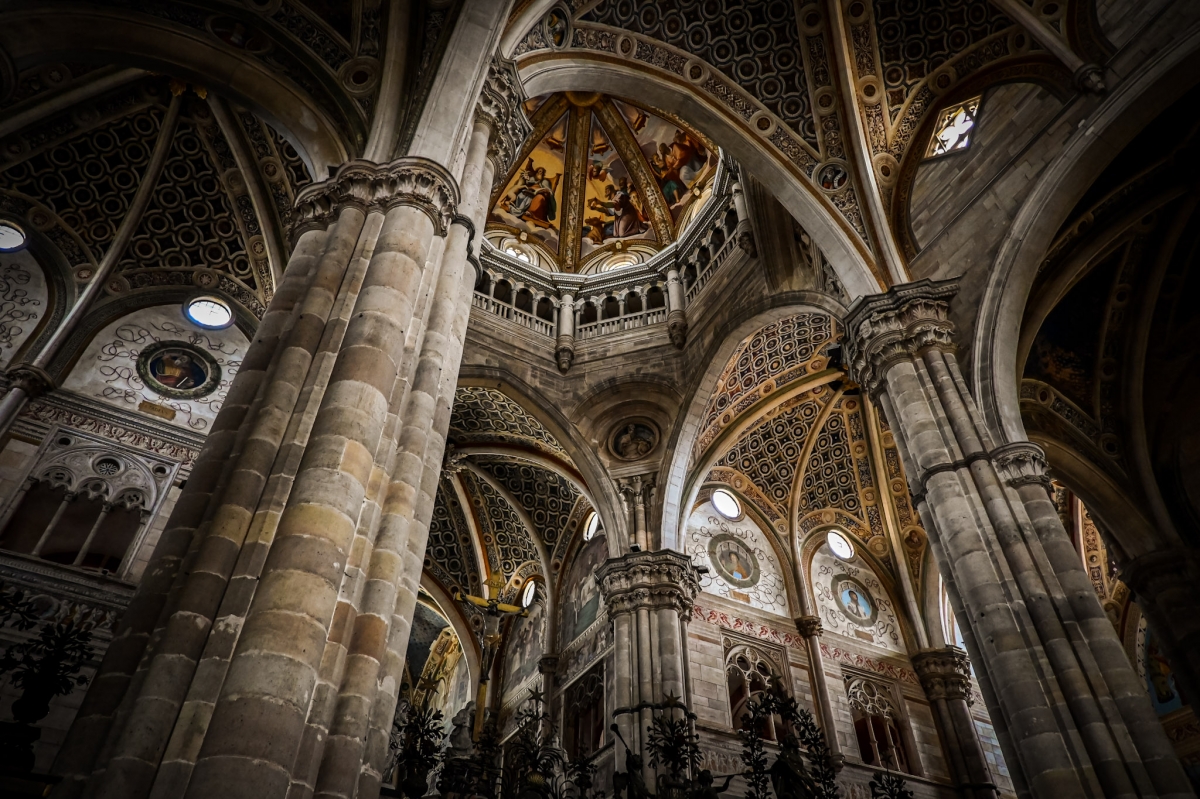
573 71
600 490
678 478
1164 79
323 140
452 612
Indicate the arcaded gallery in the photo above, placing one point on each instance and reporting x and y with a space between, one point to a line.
600 399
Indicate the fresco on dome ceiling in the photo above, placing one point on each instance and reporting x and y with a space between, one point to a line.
530 204
680 159
613 207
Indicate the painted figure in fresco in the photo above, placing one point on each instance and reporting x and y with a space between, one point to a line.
854 604
177 370
534 201
627 219
732 561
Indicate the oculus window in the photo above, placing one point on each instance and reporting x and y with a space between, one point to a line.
726 504
528 594
954 128
839 545
209 312
11 237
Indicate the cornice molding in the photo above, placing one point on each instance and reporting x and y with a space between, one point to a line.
411 181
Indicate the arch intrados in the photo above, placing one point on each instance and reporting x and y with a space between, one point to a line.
1164 79
450 611
600 491
544 74
31 38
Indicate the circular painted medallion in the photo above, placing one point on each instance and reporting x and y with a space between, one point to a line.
733 561
178 369
854 600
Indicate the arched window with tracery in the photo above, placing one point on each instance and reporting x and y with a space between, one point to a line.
877 725
748 674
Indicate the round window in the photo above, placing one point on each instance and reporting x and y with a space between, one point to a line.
726 504
209 312
839 545
593 524
11 237
528 594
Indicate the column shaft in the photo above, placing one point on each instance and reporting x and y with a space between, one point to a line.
258 721
1067 696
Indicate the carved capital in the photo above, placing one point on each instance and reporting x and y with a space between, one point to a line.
501 107
944 673
651 580
677 327
884 329
33 380
809 626
416 182
1022 463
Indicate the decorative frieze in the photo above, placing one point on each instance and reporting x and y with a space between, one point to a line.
883 329
412 181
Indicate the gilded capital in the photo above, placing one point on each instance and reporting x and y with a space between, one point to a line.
651 580
944 673
416 182
884 329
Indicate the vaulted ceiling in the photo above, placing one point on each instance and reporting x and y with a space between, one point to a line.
844 94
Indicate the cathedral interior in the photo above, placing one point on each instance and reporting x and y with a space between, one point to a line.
643 363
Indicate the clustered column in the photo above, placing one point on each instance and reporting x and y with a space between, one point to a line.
1071 713
649 596
945 674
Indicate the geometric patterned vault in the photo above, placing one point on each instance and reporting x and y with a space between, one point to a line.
546 496
762 364
485 415
754 43
505 537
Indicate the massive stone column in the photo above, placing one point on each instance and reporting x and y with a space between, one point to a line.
119 673
257 723
1074 719
945 674
649 596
